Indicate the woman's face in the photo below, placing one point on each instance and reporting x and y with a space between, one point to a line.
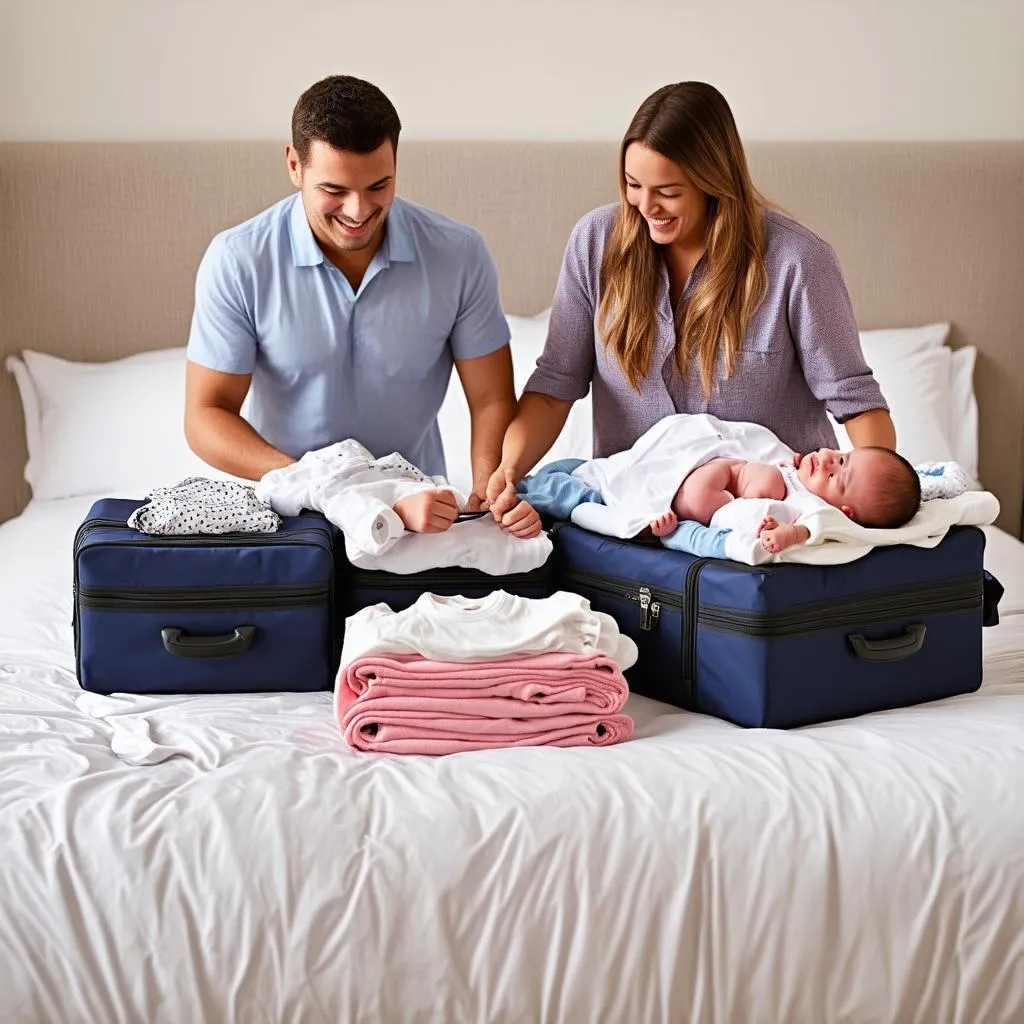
673 207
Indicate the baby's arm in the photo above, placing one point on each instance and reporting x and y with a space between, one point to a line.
761 480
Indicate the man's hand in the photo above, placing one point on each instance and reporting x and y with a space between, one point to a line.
477 500
428 511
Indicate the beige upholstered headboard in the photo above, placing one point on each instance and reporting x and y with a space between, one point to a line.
101 242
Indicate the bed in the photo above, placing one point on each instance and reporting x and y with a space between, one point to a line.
228 859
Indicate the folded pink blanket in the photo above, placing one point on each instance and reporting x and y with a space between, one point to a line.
405 704
389 730
553 683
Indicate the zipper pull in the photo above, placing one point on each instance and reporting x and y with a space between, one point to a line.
644 597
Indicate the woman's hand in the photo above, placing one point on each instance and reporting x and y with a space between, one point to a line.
522 522
501 493
520 518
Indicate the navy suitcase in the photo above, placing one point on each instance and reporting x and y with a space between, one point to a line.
229 613
787 645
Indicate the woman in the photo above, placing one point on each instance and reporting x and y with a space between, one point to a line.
692 294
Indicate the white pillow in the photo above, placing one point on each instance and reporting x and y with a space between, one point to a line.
909 339
963 412
913 369
527 343
576 441
114 428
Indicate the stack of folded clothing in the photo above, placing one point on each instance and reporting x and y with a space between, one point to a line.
453 674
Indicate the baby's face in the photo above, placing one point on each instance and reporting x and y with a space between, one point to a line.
843 479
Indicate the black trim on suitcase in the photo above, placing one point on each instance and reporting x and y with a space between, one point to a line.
379 579
217 599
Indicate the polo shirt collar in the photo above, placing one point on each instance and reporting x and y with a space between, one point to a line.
305 250
398 238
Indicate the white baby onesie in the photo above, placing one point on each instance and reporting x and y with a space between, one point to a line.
357 492
745 515
199 505
351 488
491 628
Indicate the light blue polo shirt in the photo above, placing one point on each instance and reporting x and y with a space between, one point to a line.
328 363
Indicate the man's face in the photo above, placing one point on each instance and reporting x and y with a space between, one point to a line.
346 195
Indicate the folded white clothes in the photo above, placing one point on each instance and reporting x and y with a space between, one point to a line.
500 625
199 505
357 492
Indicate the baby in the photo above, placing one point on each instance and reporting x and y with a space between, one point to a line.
875 487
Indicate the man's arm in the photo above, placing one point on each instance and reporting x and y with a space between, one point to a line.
490 394
217 433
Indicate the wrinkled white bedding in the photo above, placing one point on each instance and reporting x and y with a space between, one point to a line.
869 870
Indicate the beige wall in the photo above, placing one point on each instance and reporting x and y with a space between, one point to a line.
542 69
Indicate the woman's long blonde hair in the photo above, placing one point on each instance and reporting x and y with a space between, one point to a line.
690 124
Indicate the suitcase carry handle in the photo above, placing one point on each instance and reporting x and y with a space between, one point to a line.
896 648
180 644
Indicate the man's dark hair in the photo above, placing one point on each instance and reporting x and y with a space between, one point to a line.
899 494
346 113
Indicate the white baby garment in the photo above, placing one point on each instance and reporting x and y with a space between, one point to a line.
490 628
470 544
638 485
199 505
357 492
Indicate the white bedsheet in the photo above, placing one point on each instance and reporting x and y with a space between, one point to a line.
869 870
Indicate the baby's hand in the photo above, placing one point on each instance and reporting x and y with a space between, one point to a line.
768 523
665 524
781 536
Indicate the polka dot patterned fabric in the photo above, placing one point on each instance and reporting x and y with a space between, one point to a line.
199 505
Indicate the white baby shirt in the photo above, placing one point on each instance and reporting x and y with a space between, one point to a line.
356 493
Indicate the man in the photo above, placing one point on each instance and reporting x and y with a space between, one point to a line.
344 308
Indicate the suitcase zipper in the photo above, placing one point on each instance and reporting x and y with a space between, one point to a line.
963 593
231 598
650 599
195 539
377 579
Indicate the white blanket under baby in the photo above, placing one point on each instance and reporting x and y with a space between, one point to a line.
357 492
638 485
